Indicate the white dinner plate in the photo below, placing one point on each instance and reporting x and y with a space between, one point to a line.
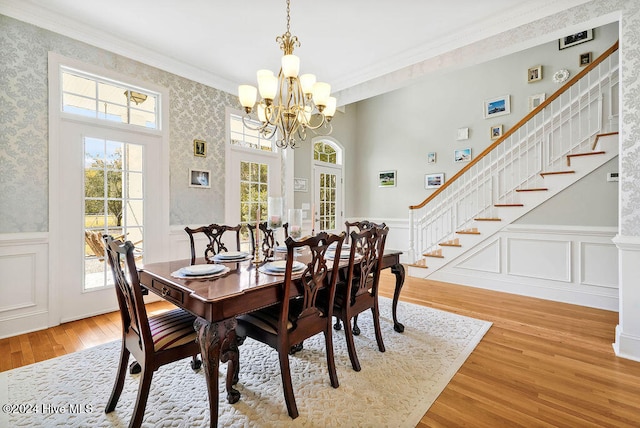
230 255
207 269
343 255
281 266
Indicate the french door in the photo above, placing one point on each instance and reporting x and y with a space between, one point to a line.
108 184
328 199
252 177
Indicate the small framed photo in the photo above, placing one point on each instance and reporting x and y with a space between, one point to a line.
432 181
387 179
199 178
575 39
431 157
300 185
536 100
462 155
534 74
463 134
585 59
497 106
200 148
496 132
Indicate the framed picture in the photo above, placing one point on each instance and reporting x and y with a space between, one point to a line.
463 134
462 155
585 59
300 185
431 157
199 178
432 181
536 100
200 148
387 179
497 106
495 132
534 74
575 39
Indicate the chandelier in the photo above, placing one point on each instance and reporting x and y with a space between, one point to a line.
289 104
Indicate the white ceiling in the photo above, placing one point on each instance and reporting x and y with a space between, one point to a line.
222 43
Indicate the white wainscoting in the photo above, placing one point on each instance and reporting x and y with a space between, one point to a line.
577 265
398 236
24 283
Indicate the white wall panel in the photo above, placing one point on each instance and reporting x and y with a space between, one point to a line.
24 283
596 260
536 258
486 259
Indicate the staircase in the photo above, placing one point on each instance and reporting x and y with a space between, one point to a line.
561 141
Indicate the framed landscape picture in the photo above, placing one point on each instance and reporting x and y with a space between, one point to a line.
462 155
432 181
387 179
497 106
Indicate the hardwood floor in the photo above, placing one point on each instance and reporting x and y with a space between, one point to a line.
541 364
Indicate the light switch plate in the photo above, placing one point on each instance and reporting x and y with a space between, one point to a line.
612 176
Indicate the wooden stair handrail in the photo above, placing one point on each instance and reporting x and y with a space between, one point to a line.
518 125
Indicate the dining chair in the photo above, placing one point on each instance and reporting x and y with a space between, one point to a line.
360 226
359 291
153 341
300 314
269 242
214 234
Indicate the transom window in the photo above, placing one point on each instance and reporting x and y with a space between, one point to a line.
100 98
325 151
243 136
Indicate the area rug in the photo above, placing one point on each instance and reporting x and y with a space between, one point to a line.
394 388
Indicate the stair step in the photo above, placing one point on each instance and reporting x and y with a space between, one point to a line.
574 155
435 253
452 243
472 231
488 219
508 205
595 143
556 173
534 189
422 263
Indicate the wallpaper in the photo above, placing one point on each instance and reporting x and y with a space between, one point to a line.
196 111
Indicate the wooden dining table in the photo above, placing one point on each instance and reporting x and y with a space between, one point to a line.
217 301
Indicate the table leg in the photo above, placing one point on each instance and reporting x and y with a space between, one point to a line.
212 338
398 271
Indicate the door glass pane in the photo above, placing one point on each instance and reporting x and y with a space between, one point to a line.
254 188
327 201
113 203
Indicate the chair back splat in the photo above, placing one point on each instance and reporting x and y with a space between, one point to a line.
153 341
214 233
268 243
300 313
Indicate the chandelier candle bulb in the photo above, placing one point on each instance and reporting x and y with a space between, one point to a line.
306 82
321 93
267 84
330 109
290 65
247 95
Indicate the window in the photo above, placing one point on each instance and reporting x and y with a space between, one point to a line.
96 97
324 151
243 136
113 202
